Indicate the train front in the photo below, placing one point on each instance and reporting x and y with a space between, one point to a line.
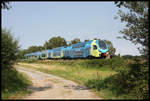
99 48
103 48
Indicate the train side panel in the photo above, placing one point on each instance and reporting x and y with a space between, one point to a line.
57 52
81 50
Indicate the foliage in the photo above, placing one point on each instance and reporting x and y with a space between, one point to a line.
137 23
32 60
95 39
76 40
137 26
86 40
133 57
127 56
112 50
31 49
134 79
22 53
5 5
13 83
9 49
55 42
35 49
131 78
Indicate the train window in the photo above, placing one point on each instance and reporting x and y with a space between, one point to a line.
78 45
49 54
75 46
43 55
94 47
102 44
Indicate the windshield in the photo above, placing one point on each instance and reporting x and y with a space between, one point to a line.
102 45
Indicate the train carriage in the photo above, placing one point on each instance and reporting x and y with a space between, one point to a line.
57 52
81 50
31 56
26 56
38 54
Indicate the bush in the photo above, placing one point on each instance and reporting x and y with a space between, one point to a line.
9 49
140 75
114 63
13 82
131 78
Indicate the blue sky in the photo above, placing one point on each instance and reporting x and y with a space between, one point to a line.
33 23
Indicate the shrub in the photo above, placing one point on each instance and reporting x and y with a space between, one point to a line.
115 63
9 49
13 82
133 79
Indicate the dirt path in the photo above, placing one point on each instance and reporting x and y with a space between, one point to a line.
47 86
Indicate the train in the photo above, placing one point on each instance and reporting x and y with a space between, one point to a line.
90 49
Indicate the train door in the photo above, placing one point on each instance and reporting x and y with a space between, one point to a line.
49 55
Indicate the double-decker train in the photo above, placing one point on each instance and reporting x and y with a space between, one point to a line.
92 48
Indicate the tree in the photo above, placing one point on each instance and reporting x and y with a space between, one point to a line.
55 42
9 49
22 53
76 40
127 56
137 26
86 40
136 30
112 50
32 49
95 39
47 45
5 5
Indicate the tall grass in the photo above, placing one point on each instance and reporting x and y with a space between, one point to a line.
14 84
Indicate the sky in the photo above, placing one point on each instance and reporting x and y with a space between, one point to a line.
33 23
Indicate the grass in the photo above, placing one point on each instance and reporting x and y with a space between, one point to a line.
74 70
14 84
75 73
97 74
